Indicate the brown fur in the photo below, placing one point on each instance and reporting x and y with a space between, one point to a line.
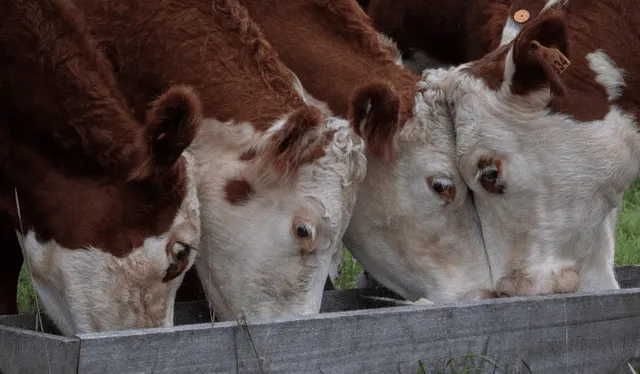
491 67
93 175
298 143
212 46
590 25
452 31
215 48
532 71
237 191
334 50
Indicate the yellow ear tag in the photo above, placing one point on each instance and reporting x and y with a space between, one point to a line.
521 16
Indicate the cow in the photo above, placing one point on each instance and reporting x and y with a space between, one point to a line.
413 227
547 139
104 206
278 179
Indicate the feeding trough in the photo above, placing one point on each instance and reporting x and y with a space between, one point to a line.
576 333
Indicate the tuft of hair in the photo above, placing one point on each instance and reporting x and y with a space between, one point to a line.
391 46
354 22
172 124
299 142
374 113
534 63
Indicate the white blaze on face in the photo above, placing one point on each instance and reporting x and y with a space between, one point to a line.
269 254
88 290
545 185
414 228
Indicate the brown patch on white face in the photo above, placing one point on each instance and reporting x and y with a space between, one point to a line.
237 191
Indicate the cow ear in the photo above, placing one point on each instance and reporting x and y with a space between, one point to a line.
172 123
298 142
374 113
540 54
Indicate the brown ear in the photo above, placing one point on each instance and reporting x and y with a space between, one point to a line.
374 115
172 123
540 54
297 143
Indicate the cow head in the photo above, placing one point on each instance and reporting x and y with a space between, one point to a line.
104 206
414 226
108 252
547 185
274 211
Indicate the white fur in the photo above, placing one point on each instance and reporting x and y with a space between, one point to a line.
250 263
405 235
608 74
551 3
510 31
564 180
88 290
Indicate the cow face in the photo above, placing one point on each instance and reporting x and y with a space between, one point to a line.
108 252
546 185
414 227
274 212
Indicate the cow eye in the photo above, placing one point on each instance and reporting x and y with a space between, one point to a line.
443 187
489 174
303 231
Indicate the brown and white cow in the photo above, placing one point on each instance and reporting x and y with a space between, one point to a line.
278 180
105 206
413 227
547 138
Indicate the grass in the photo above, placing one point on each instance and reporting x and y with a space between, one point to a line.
627 251
628 229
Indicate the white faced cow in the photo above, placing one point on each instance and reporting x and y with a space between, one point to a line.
414 227
547 138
